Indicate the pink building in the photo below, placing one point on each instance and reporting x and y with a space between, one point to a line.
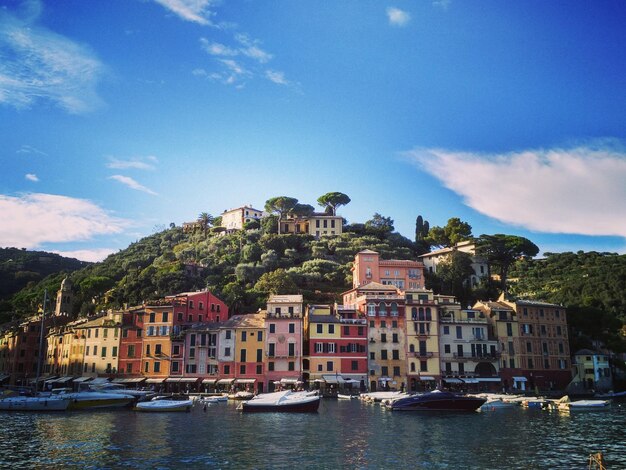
283 348
403 274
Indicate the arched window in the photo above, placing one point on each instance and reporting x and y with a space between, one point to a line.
428 314
412 366
414 313
411 348
421 314
382 309
371 310
394 309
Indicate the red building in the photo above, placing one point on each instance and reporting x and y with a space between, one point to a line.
131 342
353 347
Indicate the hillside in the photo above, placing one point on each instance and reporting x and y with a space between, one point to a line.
233 266
20 267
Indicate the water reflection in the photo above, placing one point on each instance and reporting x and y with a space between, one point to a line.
343 434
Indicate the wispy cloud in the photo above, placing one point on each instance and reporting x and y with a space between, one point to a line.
276 77
443 4
31 177
92 256
27 149
578 190
196 11
137 163
47 218
131 183
250 48
397 17
215 48
38 64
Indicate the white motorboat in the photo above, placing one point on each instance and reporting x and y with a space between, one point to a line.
241 396
383 396
286 401
215 399
343 396
565 404
498 404
35 403
165 403
93 399
117 388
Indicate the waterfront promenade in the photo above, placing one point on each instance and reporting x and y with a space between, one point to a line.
343 434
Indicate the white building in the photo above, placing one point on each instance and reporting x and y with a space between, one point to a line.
480 266
235 219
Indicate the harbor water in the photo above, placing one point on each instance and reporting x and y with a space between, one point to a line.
343 434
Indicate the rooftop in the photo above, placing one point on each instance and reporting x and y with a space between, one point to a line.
297 298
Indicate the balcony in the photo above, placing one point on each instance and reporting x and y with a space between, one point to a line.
421 354
353 321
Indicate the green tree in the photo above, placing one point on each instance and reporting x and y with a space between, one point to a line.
455 271
205 220
333 200
281 206
302 210
502 251
276 282
453 232
379 225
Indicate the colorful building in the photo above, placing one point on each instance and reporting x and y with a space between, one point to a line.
403 274
284 342
479 265
101 344
322 332
318 224
235 219
352 345
249 354
131 342
592 373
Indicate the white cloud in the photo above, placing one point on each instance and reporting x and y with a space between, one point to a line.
93 256
215 48
443 4
276 77
31 177
27 149
47 218
131 183
137 163
38 64
196 11
579 190
251 49
398 17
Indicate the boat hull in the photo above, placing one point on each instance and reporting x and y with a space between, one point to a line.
33 404
438 402
82 404
309 406
163 405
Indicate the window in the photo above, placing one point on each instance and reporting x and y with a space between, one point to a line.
114 351
242 369
227 352
384 370
346 331
424 366
320 367
292 349
383 355
360 331
395 355
242 355
95 350
124 333
176 350
383 324
259 355
371 310
165 315
509 329
412 366
190 317
87 351
228 334
244 335
175 366
152 317
270 366
157 366
259 369
396 371
147 365
529 347
329 366
272 327
372 356
131 350
105 333
191 304
394 337
320 328
446 330
354 365
271 350
331 329
383 338
259 335
530 363
459 332
226 370
180 316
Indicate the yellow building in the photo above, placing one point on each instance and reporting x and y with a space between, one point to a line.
158 351
250 358
101 345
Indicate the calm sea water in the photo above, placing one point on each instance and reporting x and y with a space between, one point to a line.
343 434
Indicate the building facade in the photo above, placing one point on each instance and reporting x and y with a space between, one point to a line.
403 274
235 219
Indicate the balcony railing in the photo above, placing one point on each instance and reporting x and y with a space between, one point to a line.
422 354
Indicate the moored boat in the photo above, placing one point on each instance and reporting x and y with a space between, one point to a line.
497 404
286 401
567 405
343 396
215 399
33 403
165 403
93 399
437 401
241 396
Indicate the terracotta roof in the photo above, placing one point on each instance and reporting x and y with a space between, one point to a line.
250 320
297 298
367 252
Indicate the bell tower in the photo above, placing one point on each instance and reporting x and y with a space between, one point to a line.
65 298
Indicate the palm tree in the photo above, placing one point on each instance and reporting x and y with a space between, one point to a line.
205 220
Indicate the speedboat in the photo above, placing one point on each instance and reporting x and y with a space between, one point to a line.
286 401
567 405
92 399
33 403
165 403
497 404
117 388
342 396
241 396
215 399
437 401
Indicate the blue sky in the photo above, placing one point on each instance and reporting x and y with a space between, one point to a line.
119 116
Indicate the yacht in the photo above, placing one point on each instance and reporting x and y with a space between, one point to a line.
437 401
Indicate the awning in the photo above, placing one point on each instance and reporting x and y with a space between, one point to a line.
100 380
520 379
453 381
155 381
333 379
118 380
470 381
319 381
426 378
171 380
245 381
209 381
225 381
385 379
352 381
289 381
188 380
489 379
135 380
82 379
63 380
48 379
